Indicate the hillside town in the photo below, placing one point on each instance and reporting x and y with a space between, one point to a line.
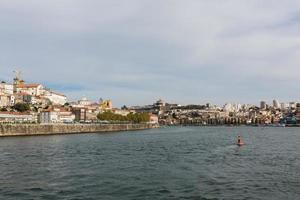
22 102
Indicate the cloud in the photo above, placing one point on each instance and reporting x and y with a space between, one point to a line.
136 51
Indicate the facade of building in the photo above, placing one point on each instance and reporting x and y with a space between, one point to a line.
55 98
66 117
153 119
30 89
48 116
4 100
80 114
5 88
84 102
263 105
122 112
276 104
11 117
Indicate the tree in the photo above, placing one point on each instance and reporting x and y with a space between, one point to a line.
131 117
21 107
124 107
3 109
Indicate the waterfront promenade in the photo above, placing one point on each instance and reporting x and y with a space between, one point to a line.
50 129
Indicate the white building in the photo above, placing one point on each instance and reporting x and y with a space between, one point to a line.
4 100
55 98
84 102
48 117
66 117
6 88
122 112
16 117
56 116
153 119
284 106
276 103
30 89
292 105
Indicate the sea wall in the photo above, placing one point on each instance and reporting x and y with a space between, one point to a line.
49 129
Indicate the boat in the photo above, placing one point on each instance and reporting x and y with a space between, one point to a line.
240 141
240 144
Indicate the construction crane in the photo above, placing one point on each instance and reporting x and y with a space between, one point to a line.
18 74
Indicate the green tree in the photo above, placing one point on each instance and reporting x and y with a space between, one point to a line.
131 117
21 107
3 109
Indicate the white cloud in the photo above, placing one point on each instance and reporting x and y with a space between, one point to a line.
196 45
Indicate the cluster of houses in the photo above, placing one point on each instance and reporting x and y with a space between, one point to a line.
48 106
230 113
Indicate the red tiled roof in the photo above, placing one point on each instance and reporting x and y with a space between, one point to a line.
28 85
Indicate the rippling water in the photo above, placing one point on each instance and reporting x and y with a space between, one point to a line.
166 163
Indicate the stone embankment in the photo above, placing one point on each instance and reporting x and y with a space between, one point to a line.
50 129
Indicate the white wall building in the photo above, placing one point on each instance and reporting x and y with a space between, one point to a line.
55 98
276 103
6 88
84 102
4 100
16 117
30 89
153 119
48 117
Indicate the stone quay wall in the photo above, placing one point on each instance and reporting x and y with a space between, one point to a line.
51 129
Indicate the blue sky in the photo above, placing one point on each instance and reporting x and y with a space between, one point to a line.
137 51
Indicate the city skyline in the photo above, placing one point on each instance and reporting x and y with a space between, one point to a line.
135 52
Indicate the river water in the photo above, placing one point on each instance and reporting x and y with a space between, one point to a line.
166 163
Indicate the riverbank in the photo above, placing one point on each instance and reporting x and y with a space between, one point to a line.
54 129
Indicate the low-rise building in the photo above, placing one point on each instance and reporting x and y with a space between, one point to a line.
4 100
12 117
153 119
6 88
80 114
48 116
55 98
122 112
66 117
30 89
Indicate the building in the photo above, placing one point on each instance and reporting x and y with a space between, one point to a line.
66 116
48 116
80 114
276 104
7 89
4 101
30 89
84 102
263 105
55 98
12 117
292 105
122 112
153 119
283 106
56 115
106 105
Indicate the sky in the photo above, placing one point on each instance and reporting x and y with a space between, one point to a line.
137 51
